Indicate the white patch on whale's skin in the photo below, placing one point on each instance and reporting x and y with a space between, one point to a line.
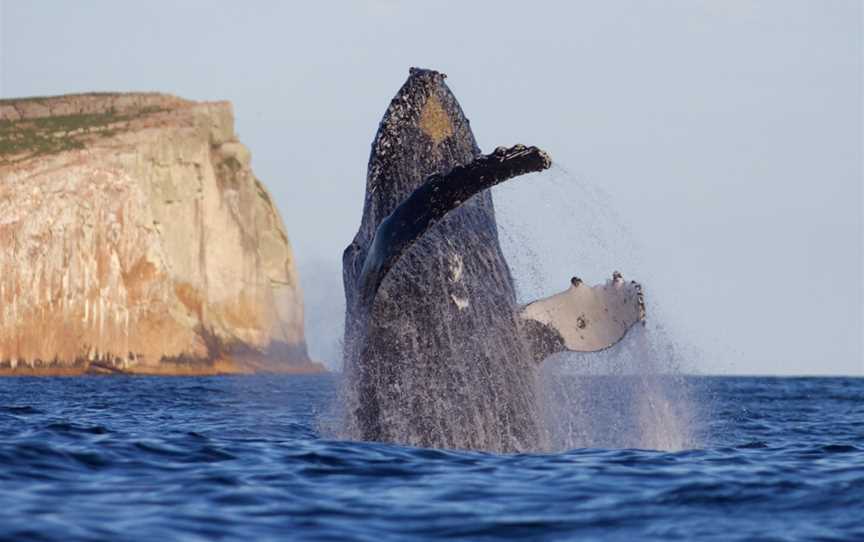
456 267
461 303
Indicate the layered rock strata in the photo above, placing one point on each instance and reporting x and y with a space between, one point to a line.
134 237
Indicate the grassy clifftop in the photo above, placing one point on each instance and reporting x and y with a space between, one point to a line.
37 126
26 138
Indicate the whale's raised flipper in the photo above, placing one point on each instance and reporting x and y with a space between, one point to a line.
583 318
440 194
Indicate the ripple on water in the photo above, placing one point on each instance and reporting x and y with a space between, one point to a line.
241 458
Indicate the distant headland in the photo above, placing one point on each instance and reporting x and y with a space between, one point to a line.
135 238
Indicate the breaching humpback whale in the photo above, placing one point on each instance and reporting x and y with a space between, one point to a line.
438 353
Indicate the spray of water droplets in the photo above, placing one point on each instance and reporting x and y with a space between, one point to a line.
553 226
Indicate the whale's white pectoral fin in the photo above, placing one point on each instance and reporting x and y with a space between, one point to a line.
584 318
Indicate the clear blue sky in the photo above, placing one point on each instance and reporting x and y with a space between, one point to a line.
726 134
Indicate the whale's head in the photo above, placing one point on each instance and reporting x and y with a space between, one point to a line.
423 132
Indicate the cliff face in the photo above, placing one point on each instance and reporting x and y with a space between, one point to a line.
135 237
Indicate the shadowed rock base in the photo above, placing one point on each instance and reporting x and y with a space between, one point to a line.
165 368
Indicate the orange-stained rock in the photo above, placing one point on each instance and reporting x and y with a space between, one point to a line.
134 237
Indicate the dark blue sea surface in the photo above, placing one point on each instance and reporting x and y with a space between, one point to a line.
148 458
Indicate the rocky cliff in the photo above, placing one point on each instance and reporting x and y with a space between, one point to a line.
134 237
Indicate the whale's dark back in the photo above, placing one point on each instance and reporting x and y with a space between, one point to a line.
441 362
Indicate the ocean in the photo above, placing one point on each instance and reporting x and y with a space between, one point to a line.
250 458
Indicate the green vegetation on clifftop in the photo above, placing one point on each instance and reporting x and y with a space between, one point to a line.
22 139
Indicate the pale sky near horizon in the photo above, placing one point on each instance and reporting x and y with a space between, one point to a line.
726 134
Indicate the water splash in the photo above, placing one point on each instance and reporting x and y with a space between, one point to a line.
634 395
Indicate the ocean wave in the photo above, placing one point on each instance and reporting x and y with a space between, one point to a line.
243 458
